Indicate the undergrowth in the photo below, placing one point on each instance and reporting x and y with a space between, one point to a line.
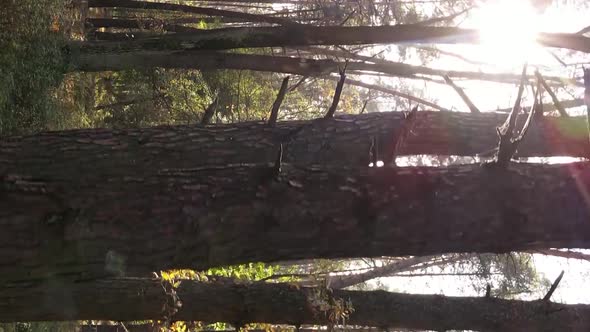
31 64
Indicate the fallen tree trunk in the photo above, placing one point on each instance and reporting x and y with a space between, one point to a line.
141 299
94 218
305 35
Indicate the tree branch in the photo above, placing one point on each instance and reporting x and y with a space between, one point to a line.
274 112
462 94
554 98
210 111
337 93
547 297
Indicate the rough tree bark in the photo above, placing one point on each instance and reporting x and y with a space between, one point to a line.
140 299
90 202
343 141
304 35
137 213
189 9
275 64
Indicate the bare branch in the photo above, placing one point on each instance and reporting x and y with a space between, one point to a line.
274 113
553 287
547 88
565 254
549 107
364 106
210 111
506 146
337 93
447 18
462 94
394 93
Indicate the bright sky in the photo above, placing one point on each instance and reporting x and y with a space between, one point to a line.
508 27
572 288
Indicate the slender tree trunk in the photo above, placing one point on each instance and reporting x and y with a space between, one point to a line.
423 70
141 299
276 64
409 264
189 9
565 254
137 24
304 35
156 328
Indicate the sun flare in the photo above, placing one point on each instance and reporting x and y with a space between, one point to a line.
508 30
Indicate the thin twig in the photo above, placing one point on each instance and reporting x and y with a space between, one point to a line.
296 85
557 58
348 17
337 93
364 106
274 113
392 92
556 102
445 18
462 94
553 287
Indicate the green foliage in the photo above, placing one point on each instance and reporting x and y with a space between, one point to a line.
243 95
517 275
250 271
31 64
38 327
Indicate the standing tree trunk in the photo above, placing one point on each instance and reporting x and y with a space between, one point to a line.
305 35
136 211
344 141
275 64
142 299
133 4
139 24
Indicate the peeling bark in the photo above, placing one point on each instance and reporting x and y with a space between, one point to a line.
141 299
